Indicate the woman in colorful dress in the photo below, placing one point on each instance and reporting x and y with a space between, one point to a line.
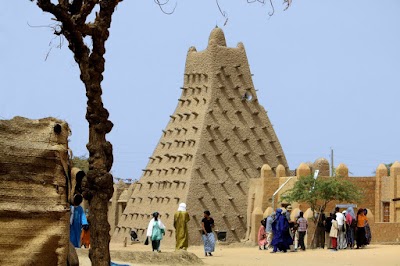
262 236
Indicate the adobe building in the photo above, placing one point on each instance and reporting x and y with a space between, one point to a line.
381 197
117 203
35 188
216 141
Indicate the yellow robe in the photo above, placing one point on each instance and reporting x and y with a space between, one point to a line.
181 230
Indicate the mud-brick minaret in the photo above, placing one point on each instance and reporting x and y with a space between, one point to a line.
216 140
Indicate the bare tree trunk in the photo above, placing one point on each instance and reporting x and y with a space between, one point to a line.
98 185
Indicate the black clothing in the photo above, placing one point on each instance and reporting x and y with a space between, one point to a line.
328 224
301 240
207 224
360 237
155 245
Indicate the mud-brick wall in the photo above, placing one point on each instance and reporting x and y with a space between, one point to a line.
367 186
385 233
34 213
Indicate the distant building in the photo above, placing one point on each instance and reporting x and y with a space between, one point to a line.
215 142
379 198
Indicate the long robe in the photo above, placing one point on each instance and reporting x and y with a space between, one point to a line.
181 218
280 229
75 228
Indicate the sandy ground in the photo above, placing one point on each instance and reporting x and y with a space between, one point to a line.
376 255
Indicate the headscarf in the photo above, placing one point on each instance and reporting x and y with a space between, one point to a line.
350 211
182 207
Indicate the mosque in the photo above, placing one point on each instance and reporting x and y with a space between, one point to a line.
219 152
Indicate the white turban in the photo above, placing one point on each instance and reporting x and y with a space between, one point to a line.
182 207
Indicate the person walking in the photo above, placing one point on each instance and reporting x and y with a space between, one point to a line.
360 234
155 231
334 233
181 218
292 228
268 228
302 229
280 228
341 238
262 236
207 224
351 225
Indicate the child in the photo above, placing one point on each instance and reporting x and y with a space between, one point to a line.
334 233
85 236
262 236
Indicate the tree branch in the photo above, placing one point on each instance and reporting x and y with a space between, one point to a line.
85 11
162 4
64 4
73 36
288 3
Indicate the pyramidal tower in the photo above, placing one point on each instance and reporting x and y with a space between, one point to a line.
216 140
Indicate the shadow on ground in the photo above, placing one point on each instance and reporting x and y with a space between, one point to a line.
148 257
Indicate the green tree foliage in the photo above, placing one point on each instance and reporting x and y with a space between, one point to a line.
80 162
317 193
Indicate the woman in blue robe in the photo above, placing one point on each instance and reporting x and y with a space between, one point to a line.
77 220
281 236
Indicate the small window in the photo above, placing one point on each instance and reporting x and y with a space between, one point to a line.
386 212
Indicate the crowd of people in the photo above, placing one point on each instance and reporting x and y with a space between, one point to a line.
80 234
344 230
340 230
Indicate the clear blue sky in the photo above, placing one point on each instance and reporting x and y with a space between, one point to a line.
327 72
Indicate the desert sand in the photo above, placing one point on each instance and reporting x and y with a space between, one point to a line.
376 255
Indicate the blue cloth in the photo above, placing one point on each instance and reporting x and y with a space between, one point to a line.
116 264
209 242
351 211
269 222
280 230
75 229
157 233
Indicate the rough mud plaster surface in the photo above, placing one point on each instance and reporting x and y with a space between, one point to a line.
117 203
216 140
34 214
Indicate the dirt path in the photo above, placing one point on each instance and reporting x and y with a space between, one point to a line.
375 255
